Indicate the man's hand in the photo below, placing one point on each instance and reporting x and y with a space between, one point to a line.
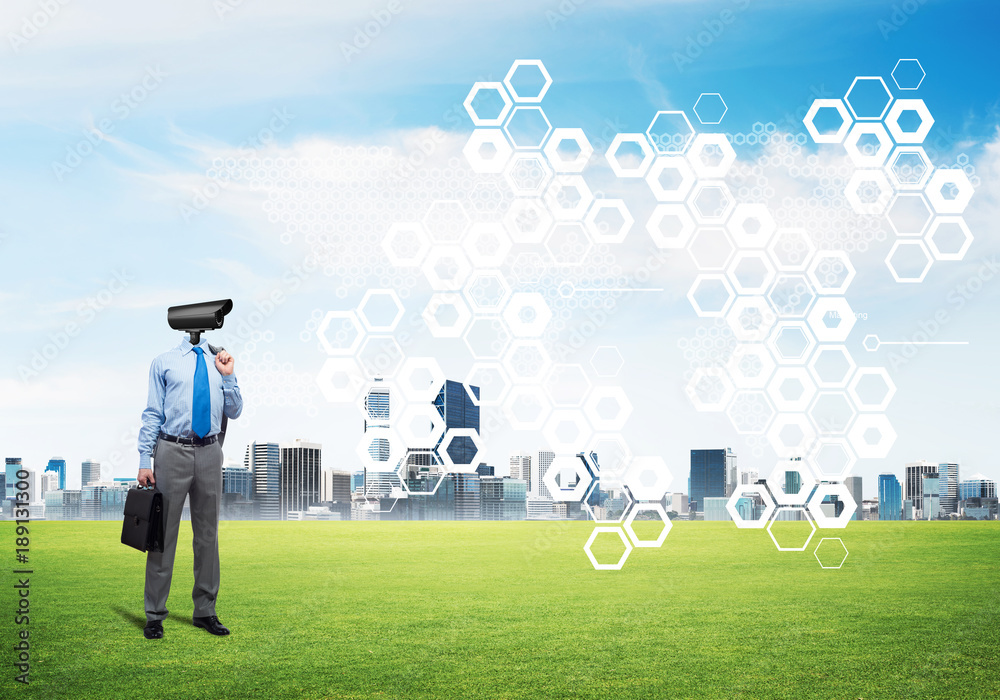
146 477
224 363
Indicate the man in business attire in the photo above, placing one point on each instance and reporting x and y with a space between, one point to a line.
188 394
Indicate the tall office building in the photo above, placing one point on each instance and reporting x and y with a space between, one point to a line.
520 468
11 467
90 472
545 459
890 497
301 465
336 487
377 411
931 500
748 477
466 496
455 404
977 486
948 475
49 482
710 472
732 474
853 484
58 465
263 459
912 481
238 480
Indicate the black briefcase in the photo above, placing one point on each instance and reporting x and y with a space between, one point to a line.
143 524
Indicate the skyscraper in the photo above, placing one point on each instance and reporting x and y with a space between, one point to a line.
890 497
948 474
853 484
301 465
912 483
520 468
710 472
455 404
977 486
11 467
466 496
264 461
544 462
931 501
58 465
377 408
90 472
238 480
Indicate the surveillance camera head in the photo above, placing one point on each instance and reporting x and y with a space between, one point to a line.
198 318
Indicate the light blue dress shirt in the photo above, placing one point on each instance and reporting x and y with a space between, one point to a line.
171 395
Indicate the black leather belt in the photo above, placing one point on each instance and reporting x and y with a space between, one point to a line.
200 442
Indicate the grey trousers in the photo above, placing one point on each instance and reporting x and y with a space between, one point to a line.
186 470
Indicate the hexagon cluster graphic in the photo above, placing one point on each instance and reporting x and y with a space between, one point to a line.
514 252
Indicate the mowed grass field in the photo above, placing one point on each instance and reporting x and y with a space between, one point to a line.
515 610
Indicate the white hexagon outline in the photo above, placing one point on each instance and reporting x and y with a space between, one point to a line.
544 216
506 128
600 393
528 62
884 87
434 256
775 240
617 352
593 559
491 310
397 449
683 215
818 259
776 331
563 366
955 177
626 497
502 151
725 108
876 208
759 333
576 212
640 464
588 244
700 187
491 319
791 549
543 400
892 224
424 247
405 423
374 327
783 374
412 393
826 430
701 141
740 380
821 308
801 497
909 242
824 539
820 444
503 373
453 299
375 338
814 108
862 424
340 365
707 277
683 168
527 329
477 257
591 220
877 159
859 376
747 210
508 174
325 324
449 436
824 521
691 389
640 507
938 220
578 163
558 417
923 74
769 506
909 150
784 420
909 105
842 349
563 462
686 121
706 230
770 272
523 342
476 119
647 155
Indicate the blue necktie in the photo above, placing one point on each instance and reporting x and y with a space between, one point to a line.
201 404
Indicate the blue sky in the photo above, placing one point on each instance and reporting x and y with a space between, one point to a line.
216 81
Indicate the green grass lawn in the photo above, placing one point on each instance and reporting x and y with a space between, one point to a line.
515 610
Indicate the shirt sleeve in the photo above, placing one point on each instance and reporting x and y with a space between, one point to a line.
153 416
233 405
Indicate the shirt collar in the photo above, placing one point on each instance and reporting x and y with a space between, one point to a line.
185 346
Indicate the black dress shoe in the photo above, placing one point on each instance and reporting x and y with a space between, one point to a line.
153 630
211 624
